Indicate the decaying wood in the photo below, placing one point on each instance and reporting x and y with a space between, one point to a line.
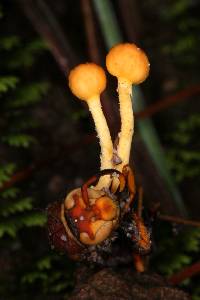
123 283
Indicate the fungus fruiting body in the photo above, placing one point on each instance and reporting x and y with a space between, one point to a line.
92 215
130 65
87 82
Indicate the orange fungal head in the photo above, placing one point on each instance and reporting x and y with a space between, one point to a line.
127 61
87 81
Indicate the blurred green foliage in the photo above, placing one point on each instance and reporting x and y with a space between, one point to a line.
183 42
178 45
16 98
177 250
184 155
178 246
50 275
21 91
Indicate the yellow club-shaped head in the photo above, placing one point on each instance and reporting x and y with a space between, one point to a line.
127 61
87 81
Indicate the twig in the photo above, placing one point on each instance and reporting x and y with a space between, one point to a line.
132 22
109 107
169 101
185 274
17 177
90 31
48 27
179 220
28 171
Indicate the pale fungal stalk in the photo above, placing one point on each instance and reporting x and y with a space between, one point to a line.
127 121
130 65
102 131
87 82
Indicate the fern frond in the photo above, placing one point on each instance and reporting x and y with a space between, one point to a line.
26 122
44 263
8 228
6 171
10 193
18 140
34 219
12 224
7 82
33 277
178 252
51 274
12 207
29 94
9 42
183 159
26 56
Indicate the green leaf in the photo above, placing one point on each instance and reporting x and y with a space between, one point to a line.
51 274
19 140
175 9
5 172
29 94
178 8
10 193
16 206
26 56
25 122
33 277
9 42
177 253
8 228
7 82
183 159
60 286
44 263
11 225
34 219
